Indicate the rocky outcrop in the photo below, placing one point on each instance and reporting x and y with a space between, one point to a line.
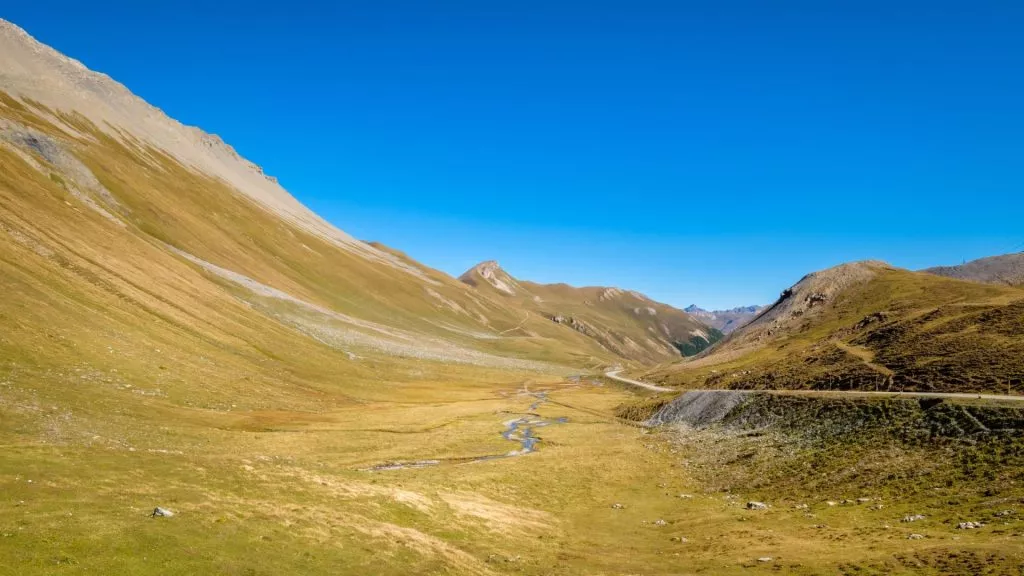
699 408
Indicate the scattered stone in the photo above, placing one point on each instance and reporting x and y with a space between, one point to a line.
864 500
877 507
617 506
801 507
915 537
913 518
1003 513
660 523
820 526
831 503
752 505
679 539
162 512
685 496
765 559
969 525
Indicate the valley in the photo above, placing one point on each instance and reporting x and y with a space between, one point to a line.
178 332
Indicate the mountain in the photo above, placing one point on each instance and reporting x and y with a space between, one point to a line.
870 326
623 322
109 198
725 321
1005 269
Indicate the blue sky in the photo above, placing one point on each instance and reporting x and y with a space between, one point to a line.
708 152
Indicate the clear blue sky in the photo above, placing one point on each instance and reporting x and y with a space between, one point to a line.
709 152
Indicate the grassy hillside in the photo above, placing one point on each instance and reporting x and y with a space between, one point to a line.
625 323
144 199
892 473
309 406
881 328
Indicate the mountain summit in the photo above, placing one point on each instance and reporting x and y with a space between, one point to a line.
1005 269
622 321
724 320
490 273
868 325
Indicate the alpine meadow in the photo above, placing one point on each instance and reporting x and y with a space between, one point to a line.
201 375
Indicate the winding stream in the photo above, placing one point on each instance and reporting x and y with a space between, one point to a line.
520 430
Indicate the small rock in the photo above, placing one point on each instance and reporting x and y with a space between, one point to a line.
820 526
752 505
915 537
679 539
913 518
863 500
877 507
969 525
765 559
831 503
660 523
163 512
801 507
617 506
1004 513
685 496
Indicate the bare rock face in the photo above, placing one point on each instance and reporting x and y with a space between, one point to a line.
699 408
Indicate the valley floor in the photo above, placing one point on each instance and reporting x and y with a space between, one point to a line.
266 492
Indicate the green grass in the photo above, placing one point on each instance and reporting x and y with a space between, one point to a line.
900 331
131 378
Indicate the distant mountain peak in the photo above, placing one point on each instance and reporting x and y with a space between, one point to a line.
492 273
1004 269
724 320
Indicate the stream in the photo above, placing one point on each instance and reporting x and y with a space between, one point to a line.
520 430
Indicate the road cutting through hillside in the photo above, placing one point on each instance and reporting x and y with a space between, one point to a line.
614 375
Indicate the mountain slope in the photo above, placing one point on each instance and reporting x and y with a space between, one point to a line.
1005 269
725 321
625 323
100 153
867 325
